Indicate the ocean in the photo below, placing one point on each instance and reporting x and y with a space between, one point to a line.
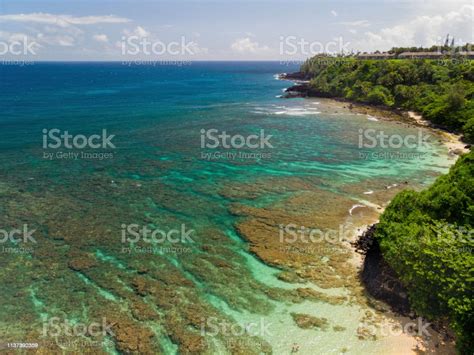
191 209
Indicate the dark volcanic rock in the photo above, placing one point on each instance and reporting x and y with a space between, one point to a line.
379 278
300 90
295 76
363 244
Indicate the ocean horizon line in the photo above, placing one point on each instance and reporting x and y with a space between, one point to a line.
163 61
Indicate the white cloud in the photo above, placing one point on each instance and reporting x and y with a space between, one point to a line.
138 31
60 29
422 31
39 39
196 49
245 45
62 20
65 41
359 23
353 31
334 13
56 40
72 30
59 36
101 38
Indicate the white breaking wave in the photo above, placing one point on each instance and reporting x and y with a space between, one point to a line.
298 111
285 110
354 207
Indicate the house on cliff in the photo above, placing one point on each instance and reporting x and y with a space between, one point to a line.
421 55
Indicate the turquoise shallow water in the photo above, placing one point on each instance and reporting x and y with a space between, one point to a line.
81 270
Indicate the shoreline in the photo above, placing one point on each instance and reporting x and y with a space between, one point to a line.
440 342
451 140
441 339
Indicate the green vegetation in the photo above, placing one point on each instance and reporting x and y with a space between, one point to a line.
428 239
448 48
442 91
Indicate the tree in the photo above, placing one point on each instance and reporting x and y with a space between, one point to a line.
426 237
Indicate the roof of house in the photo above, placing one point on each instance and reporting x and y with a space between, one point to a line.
420 54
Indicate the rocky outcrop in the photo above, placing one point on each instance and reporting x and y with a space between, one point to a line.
301 87
379 278
299 90
297 76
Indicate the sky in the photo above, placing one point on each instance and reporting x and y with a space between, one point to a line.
174 30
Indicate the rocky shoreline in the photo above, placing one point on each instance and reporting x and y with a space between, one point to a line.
379 279
382 283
